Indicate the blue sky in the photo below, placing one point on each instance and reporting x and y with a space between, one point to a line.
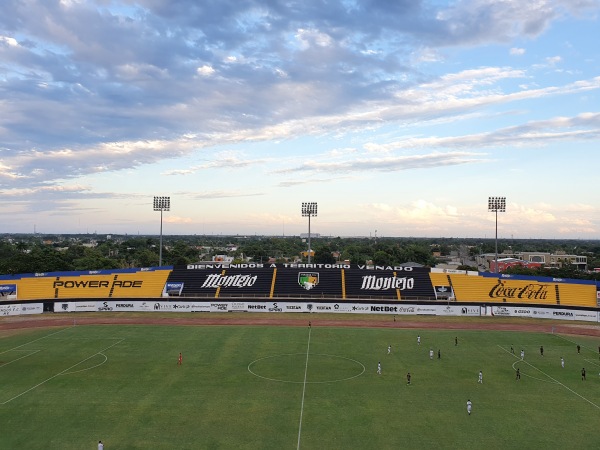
400 118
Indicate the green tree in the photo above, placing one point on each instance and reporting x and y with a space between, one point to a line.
323 256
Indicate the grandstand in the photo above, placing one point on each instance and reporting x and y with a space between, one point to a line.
220 281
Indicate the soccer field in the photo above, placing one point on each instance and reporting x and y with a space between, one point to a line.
278 387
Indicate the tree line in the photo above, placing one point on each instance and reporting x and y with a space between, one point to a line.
50 253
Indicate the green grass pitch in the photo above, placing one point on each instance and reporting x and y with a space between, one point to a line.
260 387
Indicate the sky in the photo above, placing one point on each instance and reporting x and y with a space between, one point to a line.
399 118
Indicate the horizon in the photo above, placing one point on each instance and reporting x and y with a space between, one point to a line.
316 238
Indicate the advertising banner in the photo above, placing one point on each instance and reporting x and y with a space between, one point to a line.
74 307
173 289
400 283
219 307
8 291
20 309
443 292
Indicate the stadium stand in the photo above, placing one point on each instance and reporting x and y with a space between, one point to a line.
486 289
577 295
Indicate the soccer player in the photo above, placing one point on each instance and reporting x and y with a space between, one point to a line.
408 378
419 340
480 380
518 377
512 349
439 354
562 362
379 368
541 350
389 349
180 360
456 342
309 324
100 445
522 354
469 406
430 353
578 348
583 374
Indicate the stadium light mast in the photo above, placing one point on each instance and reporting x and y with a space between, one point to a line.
309 209
496 204
161 204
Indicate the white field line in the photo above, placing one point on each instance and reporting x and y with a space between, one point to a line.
592 361
530 376
60 373
88 368
553 379
35 340
33 352
304 388
573 342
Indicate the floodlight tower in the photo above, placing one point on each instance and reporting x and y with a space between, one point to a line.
309 209
496 204
161 204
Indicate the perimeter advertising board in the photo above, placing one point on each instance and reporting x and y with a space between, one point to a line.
545 313
17 309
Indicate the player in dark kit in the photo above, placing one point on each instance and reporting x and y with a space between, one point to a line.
542 350
518 374
408 378
583 374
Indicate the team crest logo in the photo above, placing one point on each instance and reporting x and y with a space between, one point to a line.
308 280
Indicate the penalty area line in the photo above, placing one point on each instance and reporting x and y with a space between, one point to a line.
553 379
35 340
60 373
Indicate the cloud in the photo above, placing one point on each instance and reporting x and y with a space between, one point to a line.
390 163
304 181
585 126
224 194
92 88
225 160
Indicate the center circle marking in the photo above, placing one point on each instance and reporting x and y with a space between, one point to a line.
361 367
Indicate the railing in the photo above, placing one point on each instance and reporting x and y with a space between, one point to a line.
309 297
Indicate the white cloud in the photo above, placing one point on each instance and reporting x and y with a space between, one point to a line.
205 71
12 42
517 51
